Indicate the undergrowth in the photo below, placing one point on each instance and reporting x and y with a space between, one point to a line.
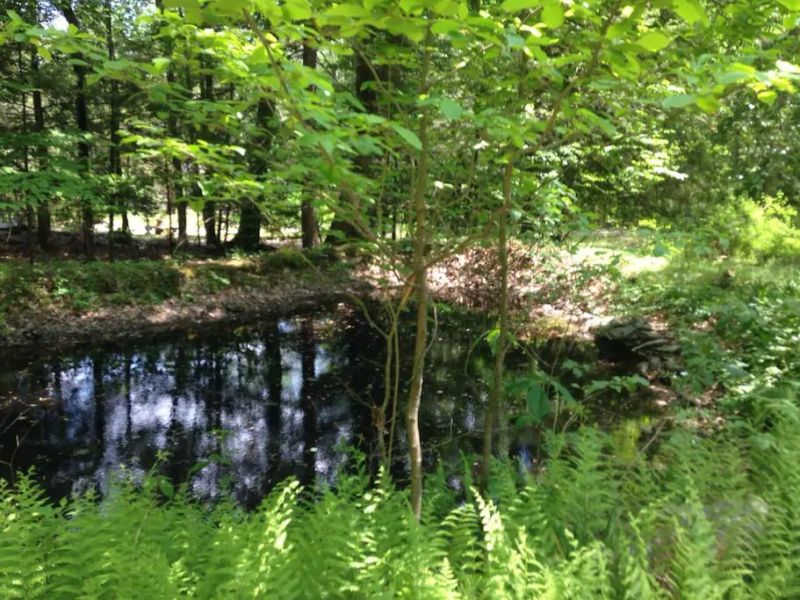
738 323
696 517
84 286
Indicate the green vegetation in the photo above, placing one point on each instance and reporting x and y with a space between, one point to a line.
67 285
709 516
563 166
87 286
737 316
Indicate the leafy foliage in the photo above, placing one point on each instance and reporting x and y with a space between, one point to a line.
703 517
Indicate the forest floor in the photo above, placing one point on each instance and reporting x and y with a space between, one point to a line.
61 302
737 321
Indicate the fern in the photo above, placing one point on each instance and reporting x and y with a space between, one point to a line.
709 516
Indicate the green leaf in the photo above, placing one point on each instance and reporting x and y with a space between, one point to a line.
553 14
354 11
445 26
654 41
408 136
767 96
413 29
679 100
491 338
599 122
513 6
446 8
537 403
790 4
737 72
166 487
328 144
690 11
298 10
708 104
450 108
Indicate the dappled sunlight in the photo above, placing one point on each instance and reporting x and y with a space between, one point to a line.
399 299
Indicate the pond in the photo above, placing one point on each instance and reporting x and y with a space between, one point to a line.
238 409
235 409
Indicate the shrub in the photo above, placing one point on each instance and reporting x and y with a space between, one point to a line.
705 517
766 229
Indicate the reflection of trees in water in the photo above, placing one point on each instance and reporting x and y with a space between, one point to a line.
285 396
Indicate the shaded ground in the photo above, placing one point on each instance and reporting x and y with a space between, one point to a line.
65 245
54 306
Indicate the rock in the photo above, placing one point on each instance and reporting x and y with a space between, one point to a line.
633 340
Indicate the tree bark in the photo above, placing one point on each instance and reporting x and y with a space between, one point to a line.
308 215
43 218
420 274
82 120
250 218
493 409
114 156
342 227
209 206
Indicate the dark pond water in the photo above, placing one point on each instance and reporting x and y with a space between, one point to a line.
263 402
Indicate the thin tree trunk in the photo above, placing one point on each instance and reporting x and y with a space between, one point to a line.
420 273
26 159
308 215
177 167
220 220
82 120
227 220
43 219
174 189
492 410
209 217
114 158
209 206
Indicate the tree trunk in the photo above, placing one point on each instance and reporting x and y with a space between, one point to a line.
209 207
177 167
43 219
308 215
249 234
493 409
82 120
342 228
114 157
420 274
209 223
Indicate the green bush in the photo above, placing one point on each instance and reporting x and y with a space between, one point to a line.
762 230
704 517
81 286
294 259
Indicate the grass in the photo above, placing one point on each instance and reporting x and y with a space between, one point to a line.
737 318
87 286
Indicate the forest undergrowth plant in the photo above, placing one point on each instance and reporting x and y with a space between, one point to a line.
737 321
692 517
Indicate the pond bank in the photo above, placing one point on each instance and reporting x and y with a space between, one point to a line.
44 311
52 307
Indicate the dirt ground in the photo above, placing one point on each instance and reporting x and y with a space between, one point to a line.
551 296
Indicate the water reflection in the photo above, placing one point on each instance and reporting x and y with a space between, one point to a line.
237 411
